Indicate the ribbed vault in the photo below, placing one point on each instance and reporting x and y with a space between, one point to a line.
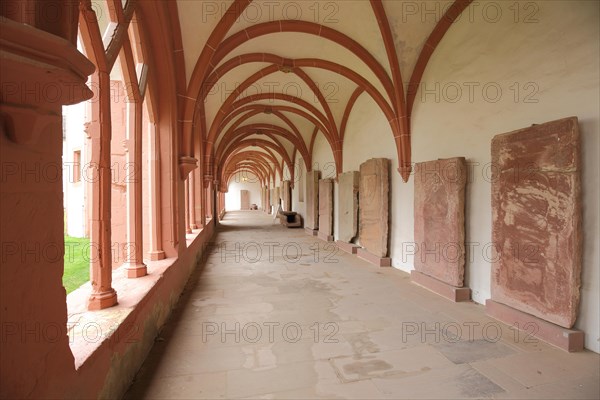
264 79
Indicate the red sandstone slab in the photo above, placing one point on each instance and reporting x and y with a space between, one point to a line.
439 226
312 199
536 214
374 206
566 339
373 259
347 210
325 208
287 198
450 292
347 247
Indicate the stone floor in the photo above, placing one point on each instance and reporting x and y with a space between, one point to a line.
324 324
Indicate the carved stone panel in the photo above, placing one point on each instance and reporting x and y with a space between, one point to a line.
326 207
374 205
312 200
287 198
536 212
440 219
348 205
244 199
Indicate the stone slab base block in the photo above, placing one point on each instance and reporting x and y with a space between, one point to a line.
440 219
136 270
100 301
570 340
373 259
311 232
156 255
325 237
347 247
374 203
536 220
450 292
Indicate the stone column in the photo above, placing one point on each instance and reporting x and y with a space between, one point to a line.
103 295
192 200
209 200
202 198
134 264
156 252
186 198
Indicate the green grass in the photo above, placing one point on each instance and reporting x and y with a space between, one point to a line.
77 262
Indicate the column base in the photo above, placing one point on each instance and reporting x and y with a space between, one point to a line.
373 259
443 289
311 232
135 270
325 237
100 301
194 226
570 340
156 255
349 248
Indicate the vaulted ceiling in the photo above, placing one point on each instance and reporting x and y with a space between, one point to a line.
264 78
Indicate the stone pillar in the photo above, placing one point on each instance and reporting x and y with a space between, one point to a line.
156 252
215 201
103 295
202 198
198 203
31 204
326 209
192 200
186 202
134 263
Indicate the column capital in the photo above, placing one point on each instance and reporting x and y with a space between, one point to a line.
187 165
41 72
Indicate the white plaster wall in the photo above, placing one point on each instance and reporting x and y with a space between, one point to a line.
74 192
555 62
546 69
233 197
323 161
368 135
323 157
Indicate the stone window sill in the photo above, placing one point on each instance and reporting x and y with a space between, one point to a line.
89 330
